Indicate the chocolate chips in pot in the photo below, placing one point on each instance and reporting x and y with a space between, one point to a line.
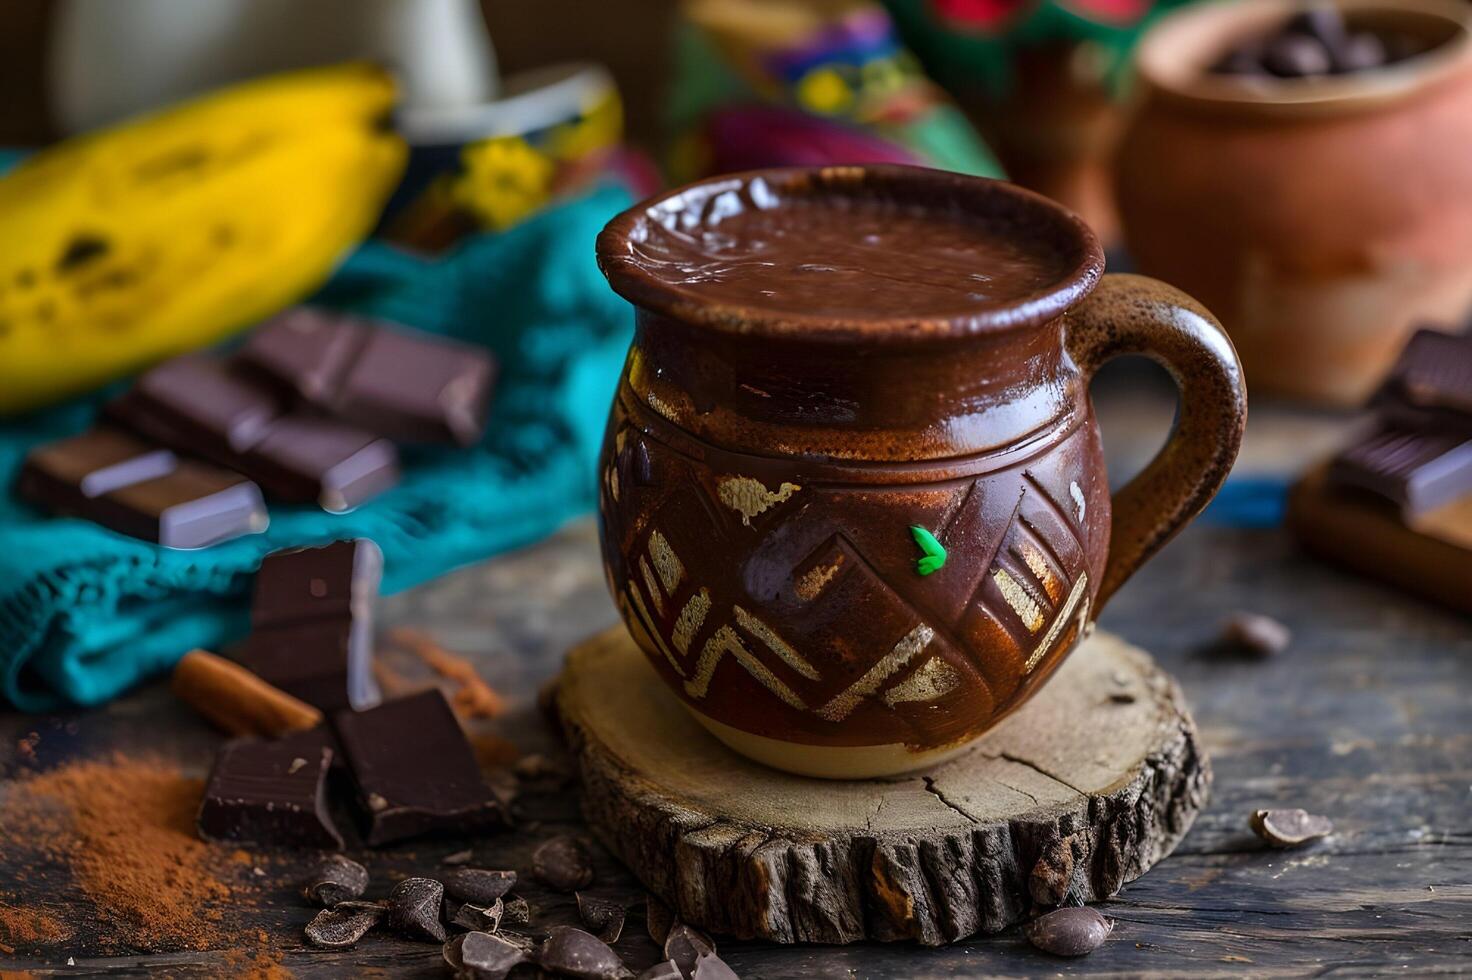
1313 44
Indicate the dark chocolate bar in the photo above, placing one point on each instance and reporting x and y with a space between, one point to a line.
402 384
271 792
1430 386
64 475
211 408
309 458
1417 471
198 404
312 624
415 771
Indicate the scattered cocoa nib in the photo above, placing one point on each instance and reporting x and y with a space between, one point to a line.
1290 828
563 863
342 926
603 918
478 885
535 767
709 966
659 918
414 908
517 912
335 880
575 953
479 918
1075 931
686 944
482 956
1255 634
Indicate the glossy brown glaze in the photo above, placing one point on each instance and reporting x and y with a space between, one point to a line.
762 471
1322 221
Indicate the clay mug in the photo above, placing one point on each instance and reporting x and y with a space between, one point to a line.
1324 220
852 543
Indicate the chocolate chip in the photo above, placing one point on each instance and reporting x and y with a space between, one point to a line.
1290 828
482 956
414 908
1254 633
662 971
336 879
517 911
1297 56
579 954
341 927
1322 21
477 885
459 857
564 864
659 918
1075 931
1360 52
604 918
709 966
479 918
686 944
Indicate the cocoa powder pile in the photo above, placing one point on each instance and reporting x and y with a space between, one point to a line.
124 830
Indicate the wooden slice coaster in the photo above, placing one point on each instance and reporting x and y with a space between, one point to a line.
1084 788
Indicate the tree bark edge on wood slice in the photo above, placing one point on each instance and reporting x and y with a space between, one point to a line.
1082 789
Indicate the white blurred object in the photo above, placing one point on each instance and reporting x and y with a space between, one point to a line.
113 58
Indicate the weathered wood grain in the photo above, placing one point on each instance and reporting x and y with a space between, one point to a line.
1080 791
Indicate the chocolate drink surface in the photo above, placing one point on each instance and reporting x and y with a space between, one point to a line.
846 257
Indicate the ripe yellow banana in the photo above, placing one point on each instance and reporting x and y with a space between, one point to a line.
171 231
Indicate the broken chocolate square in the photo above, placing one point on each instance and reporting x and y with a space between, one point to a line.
415 771
271 792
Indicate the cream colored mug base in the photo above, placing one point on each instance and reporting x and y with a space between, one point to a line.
828 761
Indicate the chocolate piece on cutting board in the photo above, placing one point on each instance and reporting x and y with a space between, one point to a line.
312 623
1430 386
415 771
1415 470
271 792
403 384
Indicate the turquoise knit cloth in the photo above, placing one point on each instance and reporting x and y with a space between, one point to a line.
86 613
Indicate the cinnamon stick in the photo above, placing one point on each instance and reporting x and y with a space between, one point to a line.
238 701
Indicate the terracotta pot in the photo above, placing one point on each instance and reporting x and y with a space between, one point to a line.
762 472
1321 221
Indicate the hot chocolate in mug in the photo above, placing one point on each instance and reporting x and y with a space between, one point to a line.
853 504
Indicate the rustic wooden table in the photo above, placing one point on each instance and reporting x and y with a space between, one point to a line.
1366 718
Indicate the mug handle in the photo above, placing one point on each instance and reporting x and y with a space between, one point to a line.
1129 314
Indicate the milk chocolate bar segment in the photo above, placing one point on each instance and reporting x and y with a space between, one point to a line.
1417 471
64 475
194 506
271 792
415 771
